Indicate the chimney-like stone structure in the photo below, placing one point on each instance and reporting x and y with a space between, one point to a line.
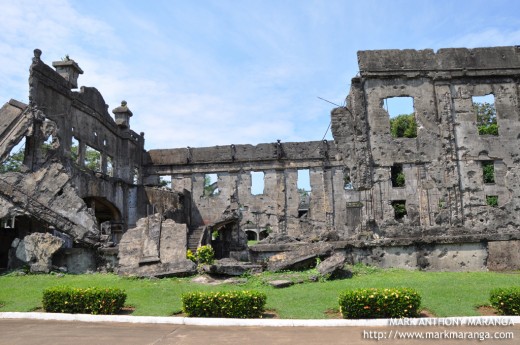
69 70
122 115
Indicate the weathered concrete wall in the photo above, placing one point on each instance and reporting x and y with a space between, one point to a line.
448 223
444 194
276 210
83 120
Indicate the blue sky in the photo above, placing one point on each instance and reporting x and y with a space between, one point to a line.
204 73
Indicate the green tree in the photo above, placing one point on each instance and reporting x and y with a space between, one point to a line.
403 126
92 159
210 189
14 162
486 118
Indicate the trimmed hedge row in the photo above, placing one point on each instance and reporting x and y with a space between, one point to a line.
379 303
506 300
64 299
232 304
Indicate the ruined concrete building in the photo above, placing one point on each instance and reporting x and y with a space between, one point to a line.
445 197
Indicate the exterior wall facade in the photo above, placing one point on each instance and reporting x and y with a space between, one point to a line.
82 123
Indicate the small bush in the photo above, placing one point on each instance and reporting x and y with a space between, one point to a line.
191 256
506 301
233 304
379 303
205 255
64 299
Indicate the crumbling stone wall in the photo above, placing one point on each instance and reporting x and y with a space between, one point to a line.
352 198
55 190
276 210
444 196
445 193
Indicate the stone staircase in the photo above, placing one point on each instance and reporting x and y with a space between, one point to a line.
194 238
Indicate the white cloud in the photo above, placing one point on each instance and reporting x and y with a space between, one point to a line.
220 72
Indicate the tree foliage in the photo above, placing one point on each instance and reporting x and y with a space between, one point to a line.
488 170
210 189
486 118
399 209
403 126
14 162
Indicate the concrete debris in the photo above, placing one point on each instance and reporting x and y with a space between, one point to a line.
230 267
334 266
155 247
281 283
36 250
303 256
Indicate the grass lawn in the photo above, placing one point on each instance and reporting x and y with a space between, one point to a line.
443 293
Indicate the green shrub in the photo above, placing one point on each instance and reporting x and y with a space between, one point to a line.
64 299
232 304
191 256
379 303
506 301
205 254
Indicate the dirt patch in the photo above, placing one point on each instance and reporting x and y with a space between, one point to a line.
333 314
126 310
270 314
486 310
426 313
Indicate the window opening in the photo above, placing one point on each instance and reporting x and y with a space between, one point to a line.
92 158
14 161
211 185
484 107
402 117
397 175
492 200
304 192
74 149
165 181
488 171
347 182
110 166
257 182
399 209
135 175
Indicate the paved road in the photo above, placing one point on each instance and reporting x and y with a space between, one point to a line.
29 332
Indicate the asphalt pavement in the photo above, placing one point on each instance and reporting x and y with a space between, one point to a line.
21 331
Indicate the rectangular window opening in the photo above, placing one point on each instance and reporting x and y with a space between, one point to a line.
74 149
211 185
257 182
488 172
492 200
165 181
92 159
347 182
484 107
110 166
304 180
304 191
399 209
397 175
135 175
402 116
